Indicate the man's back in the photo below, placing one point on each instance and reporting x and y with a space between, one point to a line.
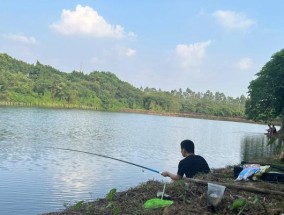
191 165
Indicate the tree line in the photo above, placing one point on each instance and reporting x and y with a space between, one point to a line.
99 90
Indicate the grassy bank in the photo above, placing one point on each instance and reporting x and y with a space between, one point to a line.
189 198
194 115
46 105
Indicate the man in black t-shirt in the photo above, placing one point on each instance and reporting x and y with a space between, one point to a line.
190 165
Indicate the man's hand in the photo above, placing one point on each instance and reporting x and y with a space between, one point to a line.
171 175
165 174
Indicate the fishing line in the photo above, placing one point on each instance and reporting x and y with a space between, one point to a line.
90 153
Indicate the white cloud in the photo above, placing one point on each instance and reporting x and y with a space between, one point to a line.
86 21
245 64
124 51
20 38
191 55
130 52
131 35
233 20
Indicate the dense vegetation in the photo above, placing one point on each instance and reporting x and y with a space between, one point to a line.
43 85
266 92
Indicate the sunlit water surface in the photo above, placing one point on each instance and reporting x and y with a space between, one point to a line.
35 179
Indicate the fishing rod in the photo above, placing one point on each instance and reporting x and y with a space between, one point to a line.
90 153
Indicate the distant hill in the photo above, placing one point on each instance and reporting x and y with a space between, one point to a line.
38 84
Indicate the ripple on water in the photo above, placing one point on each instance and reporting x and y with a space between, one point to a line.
35 179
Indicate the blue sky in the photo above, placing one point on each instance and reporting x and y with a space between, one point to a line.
201 45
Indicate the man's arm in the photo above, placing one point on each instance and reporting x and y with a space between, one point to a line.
171 175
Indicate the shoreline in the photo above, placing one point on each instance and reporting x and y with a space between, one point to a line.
192 115
135 111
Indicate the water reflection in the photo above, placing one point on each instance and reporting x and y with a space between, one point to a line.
259 146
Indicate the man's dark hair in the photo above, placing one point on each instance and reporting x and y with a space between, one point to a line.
188 145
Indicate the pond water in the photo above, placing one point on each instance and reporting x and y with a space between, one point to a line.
35 179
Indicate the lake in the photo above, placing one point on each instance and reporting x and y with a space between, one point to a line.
35 179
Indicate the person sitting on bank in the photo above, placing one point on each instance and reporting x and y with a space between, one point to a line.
273 130
269 130
190 165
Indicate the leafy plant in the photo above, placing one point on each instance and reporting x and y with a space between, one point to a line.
111 194
112 204
241 203
78 205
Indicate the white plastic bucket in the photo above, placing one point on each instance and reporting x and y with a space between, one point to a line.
215 194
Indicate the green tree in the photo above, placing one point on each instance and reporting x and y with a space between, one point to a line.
39 84
266 92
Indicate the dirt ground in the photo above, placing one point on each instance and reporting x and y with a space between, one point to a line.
188 198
